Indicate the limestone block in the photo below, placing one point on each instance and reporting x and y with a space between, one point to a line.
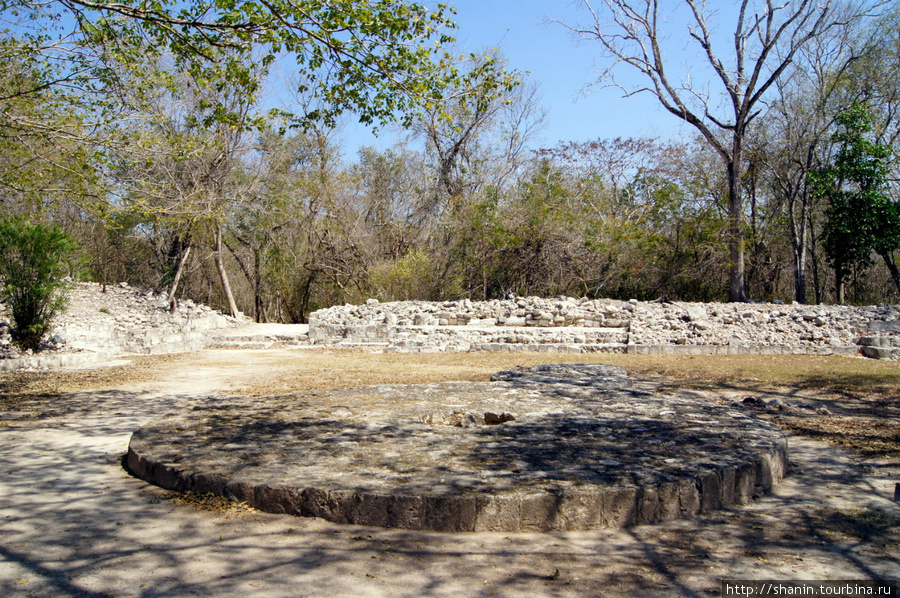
668 503
620 507
695 313
878 352
499 513
710 491
891 326
647 509
744 483
449 513
688 498
580 509
538 512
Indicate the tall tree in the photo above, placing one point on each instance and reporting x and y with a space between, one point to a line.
795 137
873 78
452 126
861 216
43 155
743 68
176 162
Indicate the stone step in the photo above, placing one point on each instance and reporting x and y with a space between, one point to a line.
258 341
881 352
360 345
240 344
54 361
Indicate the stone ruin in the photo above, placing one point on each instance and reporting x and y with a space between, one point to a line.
549 448
100 325
102 322
569 325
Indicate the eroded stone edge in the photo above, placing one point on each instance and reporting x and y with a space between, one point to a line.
586 508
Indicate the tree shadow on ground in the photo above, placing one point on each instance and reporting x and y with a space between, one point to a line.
75 524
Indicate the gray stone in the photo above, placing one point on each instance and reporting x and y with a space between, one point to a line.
584 451
695 313
492 419
762 329
892 326
98 325
776 404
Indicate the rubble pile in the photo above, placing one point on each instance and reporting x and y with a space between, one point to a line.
100 323
116 319
567 324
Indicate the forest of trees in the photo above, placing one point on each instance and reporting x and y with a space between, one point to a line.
147 132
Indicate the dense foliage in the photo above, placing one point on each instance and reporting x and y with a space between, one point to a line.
34 259
860 216
141 130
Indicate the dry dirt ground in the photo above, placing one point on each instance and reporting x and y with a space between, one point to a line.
74 523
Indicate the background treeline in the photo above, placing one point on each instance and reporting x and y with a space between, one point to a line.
185 184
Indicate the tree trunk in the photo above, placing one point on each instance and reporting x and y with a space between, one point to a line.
798 249
305 297
253 278
737 291
800 274
223 276
173 305
257 287
839 282
892 268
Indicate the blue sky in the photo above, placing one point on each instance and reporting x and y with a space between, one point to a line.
560 65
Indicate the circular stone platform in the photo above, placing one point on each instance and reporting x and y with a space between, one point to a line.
585 450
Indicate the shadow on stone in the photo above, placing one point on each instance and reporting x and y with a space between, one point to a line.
584 451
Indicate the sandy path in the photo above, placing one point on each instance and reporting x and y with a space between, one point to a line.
74 523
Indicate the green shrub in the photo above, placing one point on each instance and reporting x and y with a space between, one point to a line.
402 279
32 266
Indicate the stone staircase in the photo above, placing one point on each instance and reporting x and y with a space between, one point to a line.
883 340
261 336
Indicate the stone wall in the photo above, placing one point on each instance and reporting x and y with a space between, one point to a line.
134 321
572 325
97 325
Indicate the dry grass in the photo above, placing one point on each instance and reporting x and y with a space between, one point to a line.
301 370
863 396
27 384
211 502
330 369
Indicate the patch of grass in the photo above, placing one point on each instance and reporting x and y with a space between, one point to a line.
27 388
316 370
211 502
870 437
866 525
703 372
306 370
799 371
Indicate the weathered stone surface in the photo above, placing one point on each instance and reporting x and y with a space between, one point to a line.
99 324
585 450
573 325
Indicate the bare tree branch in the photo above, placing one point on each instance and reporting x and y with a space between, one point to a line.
765 42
